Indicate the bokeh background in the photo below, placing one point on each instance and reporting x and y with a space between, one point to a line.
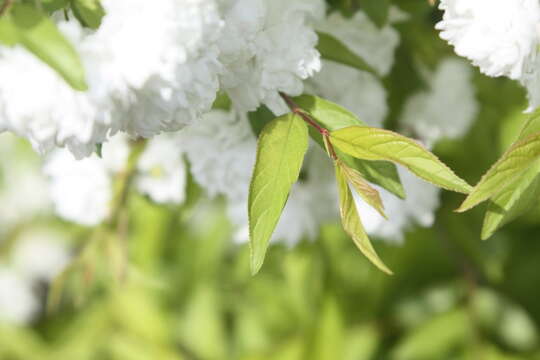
177 286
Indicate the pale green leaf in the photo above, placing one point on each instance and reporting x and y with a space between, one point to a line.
88 12
519 158
382 173
8 31
334 117
334 50
519 195
330 115
379 144
39 35
369 194
351 221
515 199
280 153
532 125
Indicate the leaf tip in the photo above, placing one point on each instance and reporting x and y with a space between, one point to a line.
256 265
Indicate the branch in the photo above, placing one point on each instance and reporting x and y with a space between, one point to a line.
125 178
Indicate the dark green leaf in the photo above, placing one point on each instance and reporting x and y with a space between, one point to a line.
259 119
334 50
377 11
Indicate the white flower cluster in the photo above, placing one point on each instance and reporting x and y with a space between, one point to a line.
82 190
447 109
20 174
153 67
501 37
268 47
376 46
39 255
161 77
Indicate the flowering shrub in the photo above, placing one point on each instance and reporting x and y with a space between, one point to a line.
292 115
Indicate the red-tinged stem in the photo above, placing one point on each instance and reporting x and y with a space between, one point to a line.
298 110
307 118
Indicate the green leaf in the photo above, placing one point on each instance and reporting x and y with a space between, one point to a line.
334 50
54 5
280 153
519 158
519 195
379 144
436 337
367 192
334 117
259 119
515 199
222 102
382 173
88 12
351 221
39 35
377 11
8 31
532 125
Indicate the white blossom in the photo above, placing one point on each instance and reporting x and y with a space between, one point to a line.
268 47
375 45
18 305
20 173
81 190
40 254
37 104
161 171
418 208
499 36
447 109
221 149
150 67
159 61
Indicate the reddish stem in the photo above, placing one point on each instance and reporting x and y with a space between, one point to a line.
300 112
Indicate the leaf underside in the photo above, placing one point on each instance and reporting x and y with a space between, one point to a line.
351 221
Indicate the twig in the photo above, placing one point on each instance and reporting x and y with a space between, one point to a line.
309 120
124 183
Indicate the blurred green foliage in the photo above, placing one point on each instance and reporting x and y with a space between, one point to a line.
187 292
